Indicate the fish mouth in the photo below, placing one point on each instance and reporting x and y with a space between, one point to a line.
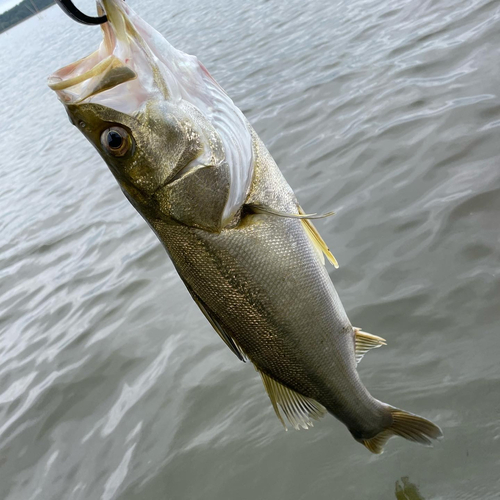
121 66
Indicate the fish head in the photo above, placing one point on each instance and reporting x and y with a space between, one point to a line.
144 150
171 136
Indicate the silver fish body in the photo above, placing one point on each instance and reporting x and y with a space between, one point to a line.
263 282
190 163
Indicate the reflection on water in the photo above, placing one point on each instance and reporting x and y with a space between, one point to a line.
112 383
406 490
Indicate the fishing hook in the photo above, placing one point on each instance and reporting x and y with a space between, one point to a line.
77 15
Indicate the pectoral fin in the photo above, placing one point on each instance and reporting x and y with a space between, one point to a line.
364 342
299 410
261 209
318 242
212 318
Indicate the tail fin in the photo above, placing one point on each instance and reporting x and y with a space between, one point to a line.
407 425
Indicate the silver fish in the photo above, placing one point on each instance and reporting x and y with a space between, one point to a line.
193 167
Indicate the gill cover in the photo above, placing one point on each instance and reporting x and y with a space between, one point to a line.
135 64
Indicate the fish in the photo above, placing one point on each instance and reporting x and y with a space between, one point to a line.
406 490
191 164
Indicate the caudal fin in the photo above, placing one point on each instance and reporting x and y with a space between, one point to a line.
406 425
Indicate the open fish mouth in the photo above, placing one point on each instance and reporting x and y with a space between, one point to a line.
123 65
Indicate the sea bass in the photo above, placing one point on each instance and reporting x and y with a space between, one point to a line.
191 164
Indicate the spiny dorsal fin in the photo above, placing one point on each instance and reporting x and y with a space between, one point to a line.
299 410
364 342
317 241
228 340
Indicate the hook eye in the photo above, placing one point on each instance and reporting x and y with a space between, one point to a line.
77 15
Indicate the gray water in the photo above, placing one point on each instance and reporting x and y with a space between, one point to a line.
112 383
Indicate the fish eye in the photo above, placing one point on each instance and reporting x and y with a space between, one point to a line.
116 141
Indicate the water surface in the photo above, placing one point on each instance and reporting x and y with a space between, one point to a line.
112 383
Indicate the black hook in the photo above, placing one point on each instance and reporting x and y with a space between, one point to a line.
78 15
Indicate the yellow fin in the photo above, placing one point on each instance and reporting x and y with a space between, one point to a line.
407 425
299 410
376 444
317 241
364 342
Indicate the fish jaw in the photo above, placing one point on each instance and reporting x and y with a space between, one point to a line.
135 66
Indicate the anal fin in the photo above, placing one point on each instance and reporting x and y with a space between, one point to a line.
299 410
364 342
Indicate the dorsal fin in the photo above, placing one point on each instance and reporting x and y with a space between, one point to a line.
364 342
299 410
